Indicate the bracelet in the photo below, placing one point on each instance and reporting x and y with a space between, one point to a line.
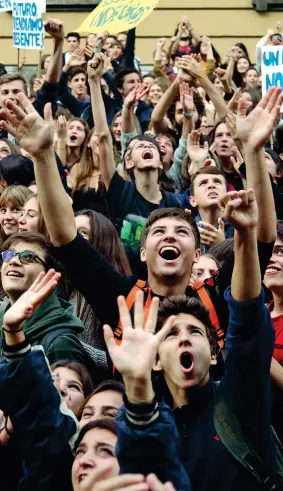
188 115
12 332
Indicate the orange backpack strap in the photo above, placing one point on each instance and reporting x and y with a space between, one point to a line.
206 300
130 300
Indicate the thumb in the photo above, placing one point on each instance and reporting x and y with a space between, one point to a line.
48 112
205 146
221 225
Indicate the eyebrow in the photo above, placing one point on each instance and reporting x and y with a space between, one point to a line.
188 326
73 381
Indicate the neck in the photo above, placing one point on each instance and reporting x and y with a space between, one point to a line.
73 155
210 215
181 396
165 287
226 164
80 96
147 185
278 303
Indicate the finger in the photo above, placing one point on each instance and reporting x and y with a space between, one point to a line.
118 482
25 103
51 275
244 197
206 234
48 113
168 486
206 225
37 280
9 116
273 98
44 292
161 335
138 314
109 340
152 315
266 98
8 128
242 108
20 114
154 483
221 225
124 313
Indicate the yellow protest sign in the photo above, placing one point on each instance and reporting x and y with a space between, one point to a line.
117 15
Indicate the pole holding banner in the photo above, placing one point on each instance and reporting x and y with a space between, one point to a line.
38 74
18 59
117 15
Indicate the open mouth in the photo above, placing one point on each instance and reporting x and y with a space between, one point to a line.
14 274
272 270
186 362
163 152
82 477
73 138
212 194
147 155
169 253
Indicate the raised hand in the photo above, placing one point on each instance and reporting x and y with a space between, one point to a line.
211 235
135 356
136 95
191 64
61 128
195 152
77 58
23 308
187 97
160 43
55 28
95 66
240 209
31 131
255 129
221 74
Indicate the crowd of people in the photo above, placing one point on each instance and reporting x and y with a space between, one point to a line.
141 234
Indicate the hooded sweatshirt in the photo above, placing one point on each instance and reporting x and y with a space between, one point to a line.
54 313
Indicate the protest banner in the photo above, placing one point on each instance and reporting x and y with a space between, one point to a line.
5 5
28 28
272 67
117 15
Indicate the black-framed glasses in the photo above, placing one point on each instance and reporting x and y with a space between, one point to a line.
25 257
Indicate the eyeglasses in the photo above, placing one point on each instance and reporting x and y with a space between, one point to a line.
25 257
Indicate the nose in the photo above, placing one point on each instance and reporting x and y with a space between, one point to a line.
184 340
22 220
63 389
86 461
15 260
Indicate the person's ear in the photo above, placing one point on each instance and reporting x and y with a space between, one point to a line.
196 256
157 367
143 255
129 164
213 361
120 91
193 201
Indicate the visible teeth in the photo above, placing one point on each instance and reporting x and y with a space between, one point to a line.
271 270
169 248
14 273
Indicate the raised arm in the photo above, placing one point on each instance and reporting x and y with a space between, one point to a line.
240 209
55 28
36 136
254 131
128 122
192 65
107 162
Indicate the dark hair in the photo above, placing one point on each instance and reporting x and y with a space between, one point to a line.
75 71
111 249
12 77
251 68
170 213
280 229
120 76
80 369
101 424
178 304
102 387
278 34
74 35
34 238
255 95
42 61
210 170
278 139
243 48
224 251
17 169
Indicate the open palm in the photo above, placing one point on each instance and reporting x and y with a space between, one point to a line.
33 133
23 308
256 128
136 354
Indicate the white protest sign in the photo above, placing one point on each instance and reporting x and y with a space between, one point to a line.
5 5
271 67
28 29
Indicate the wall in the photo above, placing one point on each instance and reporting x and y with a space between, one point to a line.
225 21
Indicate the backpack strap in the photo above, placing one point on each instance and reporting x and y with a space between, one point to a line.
203 294
52 335
125 203
130 300
230 433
